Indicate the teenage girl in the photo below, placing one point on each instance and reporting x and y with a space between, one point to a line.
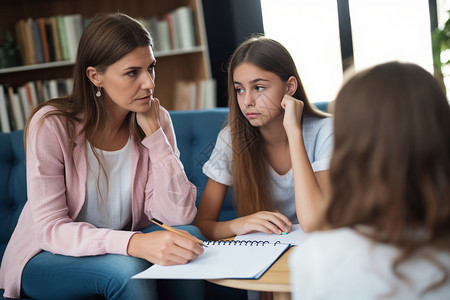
270 118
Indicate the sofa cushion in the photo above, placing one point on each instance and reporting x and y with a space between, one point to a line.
196 132
12 184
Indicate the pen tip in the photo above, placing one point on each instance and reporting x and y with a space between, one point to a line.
157 221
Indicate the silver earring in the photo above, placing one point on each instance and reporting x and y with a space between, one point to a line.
99 92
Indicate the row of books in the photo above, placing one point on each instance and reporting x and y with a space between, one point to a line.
49 39
174 30
17 103
199 94
56 38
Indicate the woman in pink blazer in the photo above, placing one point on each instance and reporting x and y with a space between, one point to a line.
101 163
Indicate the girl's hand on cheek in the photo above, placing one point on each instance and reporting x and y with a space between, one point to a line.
293 109
149 120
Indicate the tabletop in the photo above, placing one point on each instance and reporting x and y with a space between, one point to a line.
275 279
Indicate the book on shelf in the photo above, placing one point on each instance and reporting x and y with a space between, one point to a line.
16 104
185 95
51 43
17 115
173 40
41 91
63 37
199 94
44 41
30 45
4 114
53 23
74 29
53 88
31 93
25 103
184 25
173 30
20 32
162 34
37 40
49 39
208 93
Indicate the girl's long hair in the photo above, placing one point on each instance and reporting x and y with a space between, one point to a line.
390 168
250 176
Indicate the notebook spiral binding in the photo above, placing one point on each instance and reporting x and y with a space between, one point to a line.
241 243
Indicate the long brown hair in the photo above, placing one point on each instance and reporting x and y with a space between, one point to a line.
106 39
390 168
250 176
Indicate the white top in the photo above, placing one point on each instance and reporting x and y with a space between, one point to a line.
117 213
343 264
318 139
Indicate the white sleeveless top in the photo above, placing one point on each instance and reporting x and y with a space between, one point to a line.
114 210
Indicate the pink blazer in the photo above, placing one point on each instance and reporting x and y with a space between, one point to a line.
56 183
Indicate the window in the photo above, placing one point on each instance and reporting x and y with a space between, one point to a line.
382 30
310 32
386 30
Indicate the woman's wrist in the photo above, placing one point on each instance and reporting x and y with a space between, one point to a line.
133 248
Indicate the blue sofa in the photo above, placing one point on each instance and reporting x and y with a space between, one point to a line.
196 133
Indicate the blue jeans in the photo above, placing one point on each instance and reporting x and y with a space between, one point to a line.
53 276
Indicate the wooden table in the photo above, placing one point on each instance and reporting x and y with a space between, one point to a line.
275 280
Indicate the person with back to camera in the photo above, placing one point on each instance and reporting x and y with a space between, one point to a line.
269 117
101 163
389 211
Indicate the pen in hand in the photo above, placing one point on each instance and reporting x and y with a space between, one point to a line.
169 228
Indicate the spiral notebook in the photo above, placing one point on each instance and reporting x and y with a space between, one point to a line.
294 237
223 259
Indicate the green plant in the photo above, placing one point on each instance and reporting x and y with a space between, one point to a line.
8 50
441 43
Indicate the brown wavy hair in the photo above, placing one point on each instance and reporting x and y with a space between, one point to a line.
106 39
390 168
250 177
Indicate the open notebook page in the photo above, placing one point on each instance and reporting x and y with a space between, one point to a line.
222 260
294 237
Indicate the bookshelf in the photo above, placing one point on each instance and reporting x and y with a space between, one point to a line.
181 64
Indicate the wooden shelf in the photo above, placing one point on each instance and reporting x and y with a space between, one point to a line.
42 66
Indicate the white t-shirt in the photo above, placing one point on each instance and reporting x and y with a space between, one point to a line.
318 140
343 264
117 213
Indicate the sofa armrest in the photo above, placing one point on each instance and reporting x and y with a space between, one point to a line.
13 185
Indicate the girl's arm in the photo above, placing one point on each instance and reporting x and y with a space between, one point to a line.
310 187
209 211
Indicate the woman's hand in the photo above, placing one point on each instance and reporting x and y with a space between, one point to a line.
149 120
293 109
164 247
263 221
